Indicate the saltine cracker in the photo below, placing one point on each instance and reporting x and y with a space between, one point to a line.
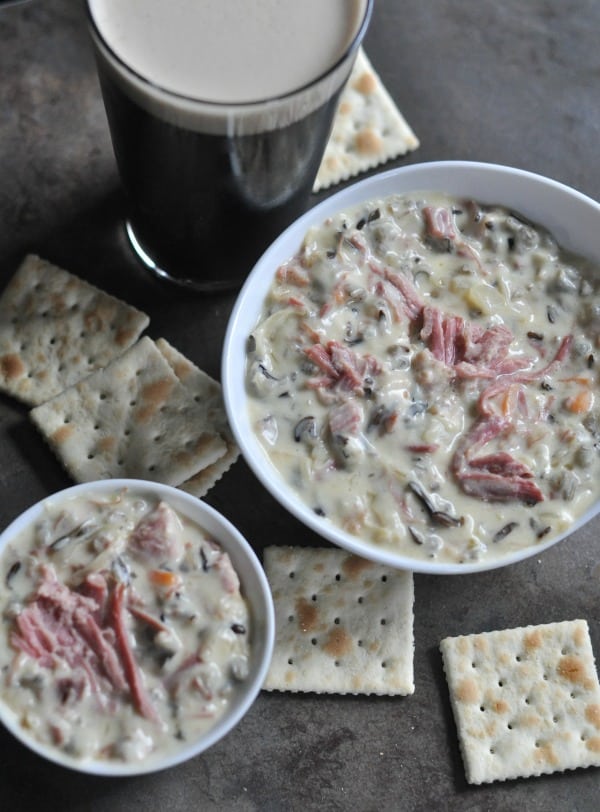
526 700
368 129
343 624
56 329
134 418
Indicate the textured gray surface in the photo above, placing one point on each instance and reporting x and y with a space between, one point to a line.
511 82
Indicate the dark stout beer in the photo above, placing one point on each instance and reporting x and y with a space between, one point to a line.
209 184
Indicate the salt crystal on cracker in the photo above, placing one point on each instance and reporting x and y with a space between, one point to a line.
368 128
56 329
207 392
343 624
134 418
526 701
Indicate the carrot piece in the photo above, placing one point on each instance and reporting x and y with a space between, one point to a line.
509 401
164 578
582 379
508 404
581 402
313 335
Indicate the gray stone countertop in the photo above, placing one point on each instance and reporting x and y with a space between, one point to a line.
507 82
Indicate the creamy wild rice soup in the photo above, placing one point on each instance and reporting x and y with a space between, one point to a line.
124 633
424 375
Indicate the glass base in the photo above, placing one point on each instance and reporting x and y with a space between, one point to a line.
200 286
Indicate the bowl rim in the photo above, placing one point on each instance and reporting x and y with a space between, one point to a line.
514 187
260 603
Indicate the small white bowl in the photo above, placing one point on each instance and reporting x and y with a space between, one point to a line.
254 587
570 216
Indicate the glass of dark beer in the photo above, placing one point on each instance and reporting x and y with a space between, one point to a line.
219 113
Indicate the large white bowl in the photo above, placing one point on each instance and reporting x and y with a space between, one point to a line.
254 587
573 219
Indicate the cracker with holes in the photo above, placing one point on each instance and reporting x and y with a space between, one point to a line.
206 392
343 624
56 329
526 701
368 128
134 418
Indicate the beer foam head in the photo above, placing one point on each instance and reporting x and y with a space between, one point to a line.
226 64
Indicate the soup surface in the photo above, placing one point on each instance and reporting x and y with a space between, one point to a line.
124 633
424 375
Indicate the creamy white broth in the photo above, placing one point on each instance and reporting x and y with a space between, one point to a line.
424 375
124 633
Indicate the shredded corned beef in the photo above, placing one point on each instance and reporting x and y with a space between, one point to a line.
503 383
342 366
439 224
63 625
60 624
157 537
494 477
471 350
140 698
